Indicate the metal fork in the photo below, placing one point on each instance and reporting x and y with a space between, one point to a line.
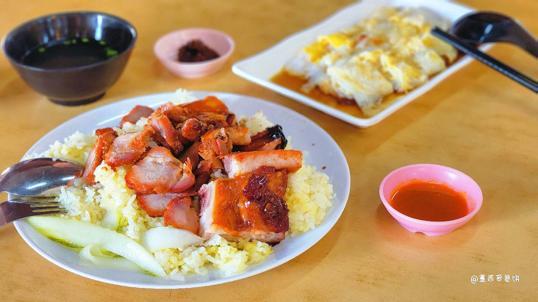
24 206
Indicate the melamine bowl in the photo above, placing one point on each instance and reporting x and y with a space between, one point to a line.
453 178
71 85
167 47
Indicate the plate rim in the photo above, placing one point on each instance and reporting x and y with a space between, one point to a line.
433 81
258 270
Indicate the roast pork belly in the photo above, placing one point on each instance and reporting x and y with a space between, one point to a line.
245 162
250 206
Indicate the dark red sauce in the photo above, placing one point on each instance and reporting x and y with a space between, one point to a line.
196 51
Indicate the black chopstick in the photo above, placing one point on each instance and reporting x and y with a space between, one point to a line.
486 59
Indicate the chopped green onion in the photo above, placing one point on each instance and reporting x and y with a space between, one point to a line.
110 52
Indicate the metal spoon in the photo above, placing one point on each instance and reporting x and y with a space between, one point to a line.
35 176
486 27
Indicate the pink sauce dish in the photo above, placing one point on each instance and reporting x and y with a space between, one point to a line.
167 47
435 174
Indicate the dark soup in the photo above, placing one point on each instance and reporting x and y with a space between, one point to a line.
69 53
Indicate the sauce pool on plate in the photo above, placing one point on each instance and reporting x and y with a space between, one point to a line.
429 201
294 83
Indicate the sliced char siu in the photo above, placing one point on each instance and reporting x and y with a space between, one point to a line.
180 214
160 172
165 129
192 129
155 204
135 114
105 138
208 104
219 142
191 154
128 148
271 138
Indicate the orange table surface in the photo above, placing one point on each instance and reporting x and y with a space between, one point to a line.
476 120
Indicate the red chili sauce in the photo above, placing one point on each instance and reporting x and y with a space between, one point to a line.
429 201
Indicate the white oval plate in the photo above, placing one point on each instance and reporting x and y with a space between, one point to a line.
261 67
321 151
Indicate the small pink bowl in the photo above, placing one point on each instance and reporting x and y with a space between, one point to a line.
166 49
455 179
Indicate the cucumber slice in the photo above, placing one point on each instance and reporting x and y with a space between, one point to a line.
95 255
82 234
166 237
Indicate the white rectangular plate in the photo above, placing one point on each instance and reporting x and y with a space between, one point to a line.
261 67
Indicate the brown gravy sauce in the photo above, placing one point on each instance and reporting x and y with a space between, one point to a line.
295 83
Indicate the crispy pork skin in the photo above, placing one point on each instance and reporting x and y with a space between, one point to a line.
245 162
249 206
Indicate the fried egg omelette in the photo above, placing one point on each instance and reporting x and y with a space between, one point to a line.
391 51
